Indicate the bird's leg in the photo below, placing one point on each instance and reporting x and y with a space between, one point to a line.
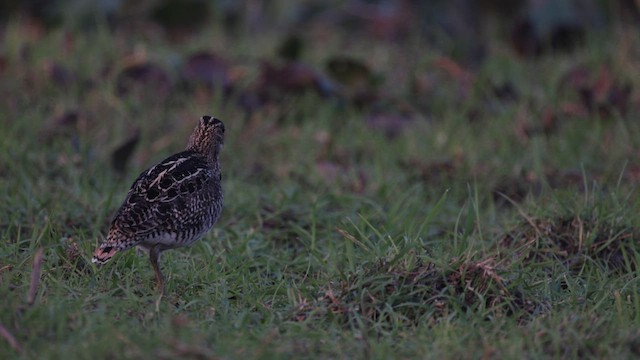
154 257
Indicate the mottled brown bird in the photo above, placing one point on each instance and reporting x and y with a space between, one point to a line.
173 203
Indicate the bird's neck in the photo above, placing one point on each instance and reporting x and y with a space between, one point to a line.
210 154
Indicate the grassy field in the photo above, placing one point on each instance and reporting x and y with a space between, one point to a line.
469 211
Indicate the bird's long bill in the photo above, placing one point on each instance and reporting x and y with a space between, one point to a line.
103 254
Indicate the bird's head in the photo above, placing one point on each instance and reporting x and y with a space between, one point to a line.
104 253
208 137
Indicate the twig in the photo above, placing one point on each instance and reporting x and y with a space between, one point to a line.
36 270
4 332
4 268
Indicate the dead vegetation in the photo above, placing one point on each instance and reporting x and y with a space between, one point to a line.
388 294
574 241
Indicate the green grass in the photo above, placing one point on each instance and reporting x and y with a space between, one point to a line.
457 238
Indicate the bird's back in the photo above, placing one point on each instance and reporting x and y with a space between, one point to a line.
173 203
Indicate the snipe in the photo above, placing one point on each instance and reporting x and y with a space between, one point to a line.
173 203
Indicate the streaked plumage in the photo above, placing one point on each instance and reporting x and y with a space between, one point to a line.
173 203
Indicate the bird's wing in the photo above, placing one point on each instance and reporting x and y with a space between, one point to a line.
157 197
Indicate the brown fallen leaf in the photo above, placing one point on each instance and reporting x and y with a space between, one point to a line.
292 77
277 81
392 124
205 68
388 20
145 80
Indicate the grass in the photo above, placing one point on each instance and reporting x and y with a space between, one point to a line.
484 236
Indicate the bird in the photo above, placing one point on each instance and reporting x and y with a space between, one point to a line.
171 204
